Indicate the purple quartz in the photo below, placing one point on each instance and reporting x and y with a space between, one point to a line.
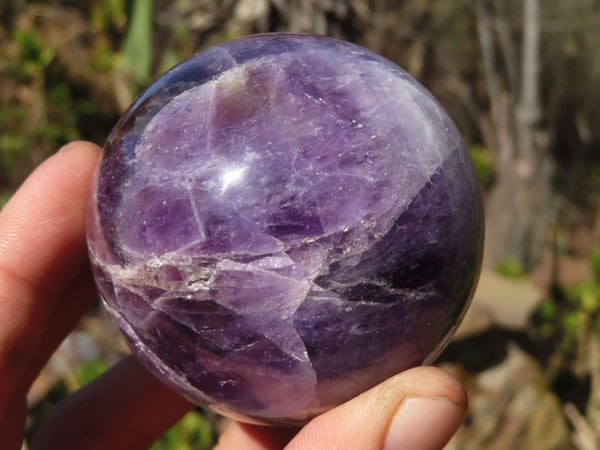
282 222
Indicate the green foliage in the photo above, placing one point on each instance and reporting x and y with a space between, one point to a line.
4 198
137 50
35 54
169 59
63 116
12 147
229 35
511 268
571 322
14 144
103 58
108 14
193 432
546 316
547 310
574 313
90 370
484 163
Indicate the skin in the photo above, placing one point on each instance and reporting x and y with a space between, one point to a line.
45 288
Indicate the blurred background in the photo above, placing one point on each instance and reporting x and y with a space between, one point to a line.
521 78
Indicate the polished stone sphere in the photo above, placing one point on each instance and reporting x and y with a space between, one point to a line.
283 221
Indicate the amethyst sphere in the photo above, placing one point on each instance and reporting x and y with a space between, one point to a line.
283 221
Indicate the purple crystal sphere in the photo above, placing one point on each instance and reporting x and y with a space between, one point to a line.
283 221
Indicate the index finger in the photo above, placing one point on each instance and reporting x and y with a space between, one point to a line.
42 251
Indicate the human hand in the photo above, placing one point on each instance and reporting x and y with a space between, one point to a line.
46 286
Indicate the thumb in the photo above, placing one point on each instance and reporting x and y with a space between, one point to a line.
420 408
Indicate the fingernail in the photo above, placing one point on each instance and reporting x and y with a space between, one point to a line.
424 423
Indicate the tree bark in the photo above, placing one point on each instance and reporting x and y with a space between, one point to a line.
519 205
